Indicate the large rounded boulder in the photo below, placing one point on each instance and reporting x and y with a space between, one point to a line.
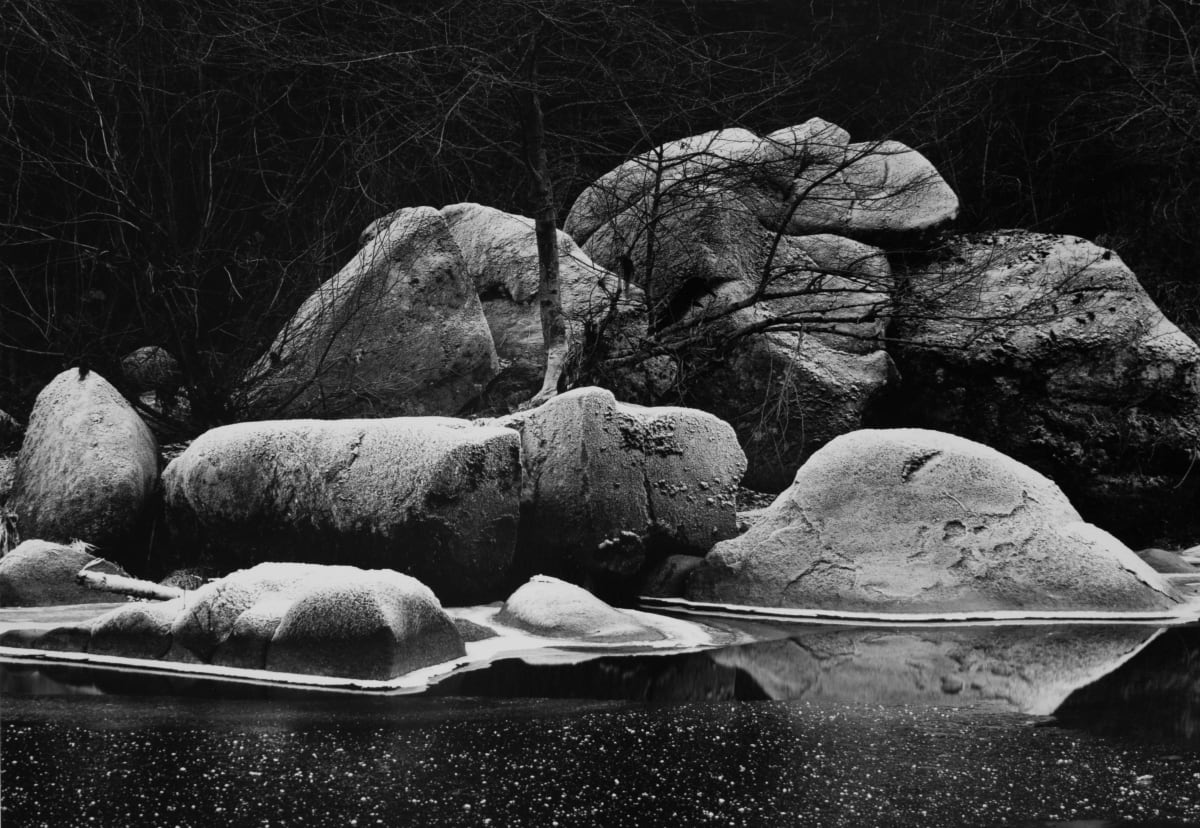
908 520
433 497
398 332
88 466
1047 348
603 479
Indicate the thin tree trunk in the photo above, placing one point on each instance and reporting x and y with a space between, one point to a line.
554 331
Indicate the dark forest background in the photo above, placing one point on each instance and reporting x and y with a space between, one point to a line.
183 172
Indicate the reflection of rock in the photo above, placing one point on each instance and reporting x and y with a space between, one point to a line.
1156 694
1027 669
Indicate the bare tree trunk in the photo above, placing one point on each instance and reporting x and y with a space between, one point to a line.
554 330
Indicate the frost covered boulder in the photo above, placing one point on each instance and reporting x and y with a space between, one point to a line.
297 618
908 520
399 331
38 573
374 625
602 479
1047 348
808 178
88 466
556 609
430 496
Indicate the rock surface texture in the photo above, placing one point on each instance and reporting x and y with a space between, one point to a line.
399 331
296 618
556 609
500 253
88 466
603 479
39 574
1012 669
1048 349
908 520
758 278
433 497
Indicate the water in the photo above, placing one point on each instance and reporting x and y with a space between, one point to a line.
966 726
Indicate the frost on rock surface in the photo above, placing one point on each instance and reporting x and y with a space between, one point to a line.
434 497
908 520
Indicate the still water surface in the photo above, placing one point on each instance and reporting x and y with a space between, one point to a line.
828 726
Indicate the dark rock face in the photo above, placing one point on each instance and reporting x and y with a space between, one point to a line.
39 574
603 480
152 369
907 520
434 497
1048 349
88 467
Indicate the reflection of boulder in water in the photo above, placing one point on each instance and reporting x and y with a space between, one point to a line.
1029 669
656 679
1155 695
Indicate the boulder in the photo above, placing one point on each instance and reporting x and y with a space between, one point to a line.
399 331
500 253
873 189
678 166
777 335
152 369
908 520
1047 348
372 625
298 618
38 573
1163 560
209 615
434 497
88 467
802 179
556 609
602 478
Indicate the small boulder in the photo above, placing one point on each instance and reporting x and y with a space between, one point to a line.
556 609
907 520
152 369
88 467
1162 560
38 573
602 476
434 497
371 625
398 332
